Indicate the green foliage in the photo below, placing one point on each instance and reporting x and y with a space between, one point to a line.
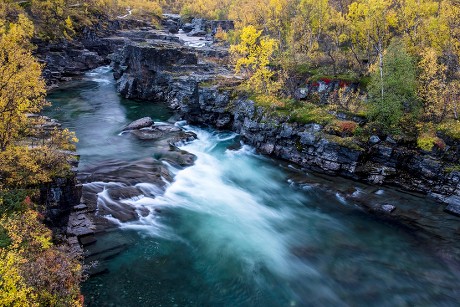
5 240
269 101
13 201
21 88
452 168
310 113
346 40
450 128
426 141
393 95
32 271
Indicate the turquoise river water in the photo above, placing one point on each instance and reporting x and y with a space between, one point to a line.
235 231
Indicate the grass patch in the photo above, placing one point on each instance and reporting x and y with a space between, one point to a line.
364 81
209 83
320 74
5 240
452 168
427 139
310 113
270 101
348 142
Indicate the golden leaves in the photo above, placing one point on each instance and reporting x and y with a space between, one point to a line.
33 272
253 55
21 88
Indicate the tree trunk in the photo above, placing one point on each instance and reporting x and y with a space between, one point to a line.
380 52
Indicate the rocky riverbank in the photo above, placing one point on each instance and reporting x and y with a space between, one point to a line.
109 189
183 77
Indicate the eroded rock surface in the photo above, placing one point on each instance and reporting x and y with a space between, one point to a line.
112 189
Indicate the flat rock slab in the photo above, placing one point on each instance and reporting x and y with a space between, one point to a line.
453 206
124 172
453 209
87 240
79 225
387 208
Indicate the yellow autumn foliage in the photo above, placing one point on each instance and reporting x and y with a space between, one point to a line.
252 58
22 90
33 272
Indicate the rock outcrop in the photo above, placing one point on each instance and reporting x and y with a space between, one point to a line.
65 60
152 72
109 186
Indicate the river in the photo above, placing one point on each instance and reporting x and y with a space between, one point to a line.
236 229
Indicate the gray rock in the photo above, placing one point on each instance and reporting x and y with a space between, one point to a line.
196 32
139 124
87 240
122 193
267 148
175 17
374 139
79 225
188 27
80 207
172 26
225 25
387 208
390 140
453 206
301 93
307 138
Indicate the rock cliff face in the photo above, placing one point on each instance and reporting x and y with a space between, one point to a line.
175 75
65 59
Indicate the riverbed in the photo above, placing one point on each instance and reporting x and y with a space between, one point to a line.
241 229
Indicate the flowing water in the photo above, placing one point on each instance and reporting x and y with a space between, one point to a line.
233 230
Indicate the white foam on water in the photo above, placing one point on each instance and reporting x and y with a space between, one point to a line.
226 219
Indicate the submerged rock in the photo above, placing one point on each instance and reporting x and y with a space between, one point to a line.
374 139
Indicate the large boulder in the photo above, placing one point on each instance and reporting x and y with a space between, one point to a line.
199 27
139 124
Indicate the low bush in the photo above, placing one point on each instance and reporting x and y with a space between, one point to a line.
450 128
343 127
427 141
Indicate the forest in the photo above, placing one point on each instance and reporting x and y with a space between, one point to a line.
402 55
